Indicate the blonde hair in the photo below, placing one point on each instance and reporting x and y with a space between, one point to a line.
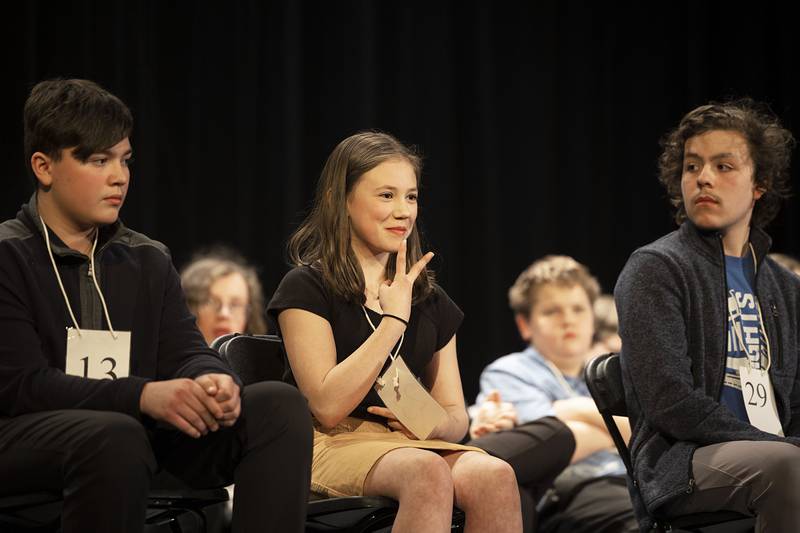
606 321
198 276
552 269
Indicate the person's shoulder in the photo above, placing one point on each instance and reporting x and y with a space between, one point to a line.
304 275
526 360
125 236
784 276
14 229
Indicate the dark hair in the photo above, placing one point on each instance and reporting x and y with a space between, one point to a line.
73 113
323 239
770 146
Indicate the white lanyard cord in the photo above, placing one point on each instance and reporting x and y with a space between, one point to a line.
61 284
560 377
737 326
402 335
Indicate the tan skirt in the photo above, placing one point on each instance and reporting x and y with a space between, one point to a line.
345 454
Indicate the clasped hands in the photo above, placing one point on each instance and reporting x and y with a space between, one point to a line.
493 414
193 406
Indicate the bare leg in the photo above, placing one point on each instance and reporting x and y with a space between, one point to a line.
486 490
420 481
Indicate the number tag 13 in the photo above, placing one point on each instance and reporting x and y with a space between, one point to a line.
97 354
759 400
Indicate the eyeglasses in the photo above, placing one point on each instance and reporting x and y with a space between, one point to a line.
237 309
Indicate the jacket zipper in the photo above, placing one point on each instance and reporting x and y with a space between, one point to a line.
724 324
778 345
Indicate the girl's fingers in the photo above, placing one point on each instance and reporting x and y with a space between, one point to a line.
419 266
400 260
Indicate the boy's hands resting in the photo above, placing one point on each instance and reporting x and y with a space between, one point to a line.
195 407
492 415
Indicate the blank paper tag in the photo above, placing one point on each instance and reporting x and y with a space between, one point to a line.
96 354
759 400
408 400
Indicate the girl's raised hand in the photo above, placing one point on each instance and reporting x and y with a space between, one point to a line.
395 295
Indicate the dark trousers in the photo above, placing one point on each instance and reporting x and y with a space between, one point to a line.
537 451
601 505
103 462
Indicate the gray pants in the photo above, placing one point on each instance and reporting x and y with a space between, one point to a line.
750 477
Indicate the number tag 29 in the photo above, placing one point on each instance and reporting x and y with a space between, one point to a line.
759 400
97 354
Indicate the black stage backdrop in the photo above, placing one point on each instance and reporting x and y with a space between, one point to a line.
539 121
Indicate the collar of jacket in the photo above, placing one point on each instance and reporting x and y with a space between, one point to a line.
708 243
29 214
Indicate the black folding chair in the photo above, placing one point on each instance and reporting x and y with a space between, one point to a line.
168 510
261 358
604 379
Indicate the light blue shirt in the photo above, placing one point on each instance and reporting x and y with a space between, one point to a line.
527 381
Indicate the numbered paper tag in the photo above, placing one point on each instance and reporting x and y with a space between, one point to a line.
759 400
408 400
97 354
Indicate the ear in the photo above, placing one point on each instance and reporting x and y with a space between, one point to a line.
523 327
758 192
42 166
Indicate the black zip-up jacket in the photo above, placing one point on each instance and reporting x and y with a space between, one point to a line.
143 294
672 303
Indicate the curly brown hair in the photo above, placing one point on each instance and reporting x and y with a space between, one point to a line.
770 146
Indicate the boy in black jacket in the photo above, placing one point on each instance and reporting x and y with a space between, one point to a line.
104 379
709 329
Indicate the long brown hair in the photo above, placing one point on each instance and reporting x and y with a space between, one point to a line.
323 239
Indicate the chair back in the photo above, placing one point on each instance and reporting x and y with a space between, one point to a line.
254 357
603 377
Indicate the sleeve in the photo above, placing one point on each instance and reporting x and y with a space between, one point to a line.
182 350
448 317
655 361
529 399
301 288
30 381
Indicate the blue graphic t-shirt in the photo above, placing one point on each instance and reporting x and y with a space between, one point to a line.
744 335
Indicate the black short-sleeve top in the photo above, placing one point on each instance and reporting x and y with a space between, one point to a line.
432 324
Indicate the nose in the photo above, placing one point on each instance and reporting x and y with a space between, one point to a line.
401 209
119 173
705 176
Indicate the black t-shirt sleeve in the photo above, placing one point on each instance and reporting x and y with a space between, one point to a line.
300 288
447 316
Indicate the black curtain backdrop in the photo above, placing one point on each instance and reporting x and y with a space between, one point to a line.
538 121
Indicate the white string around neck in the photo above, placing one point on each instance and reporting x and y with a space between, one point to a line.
402 335
94 279
560 378
393 356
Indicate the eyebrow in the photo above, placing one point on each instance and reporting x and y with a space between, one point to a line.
715 157
391 188
129 151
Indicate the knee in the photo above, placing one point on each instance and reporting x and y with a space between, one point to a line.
272 408
429 477
276 399
564 440
483 477
781 466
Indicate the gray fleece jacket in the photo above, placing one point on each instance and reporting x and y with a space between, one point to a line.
671 299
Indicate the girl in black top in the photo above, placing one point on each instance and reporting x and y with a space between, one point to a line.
360 289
